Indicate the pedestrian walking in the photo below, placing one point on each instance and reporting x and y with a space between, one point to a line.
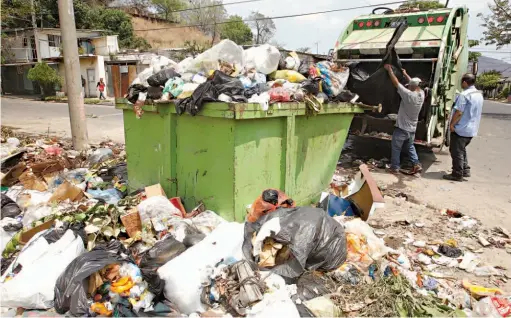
464 125
403 137
101 88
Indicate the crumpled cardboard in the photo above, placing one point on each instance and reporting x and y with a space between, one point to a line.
32 182
66 191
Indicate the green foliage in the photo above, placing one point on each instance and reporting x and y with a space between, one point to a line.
505 92
44 75
166 7
236 30
497 24
422 4
488 80
473 56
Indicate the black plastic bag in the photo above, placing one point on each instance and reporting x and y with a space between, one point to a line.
311 85
133 92
256 89
304 67
228 85
344 96
205 92
192 239
373 85
156 285
310 286
56 234
9 208
160 78
315 240
71 286
162 252
120 171
154 92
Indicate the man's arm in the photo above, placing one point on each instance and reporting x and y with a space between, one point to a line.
458 109
392 76
408 78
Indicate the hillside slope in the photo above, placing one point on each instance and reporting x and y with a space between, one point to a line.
169 38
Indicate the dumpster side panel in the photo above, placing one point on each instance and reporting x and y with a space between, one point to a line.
259 160
148 148
205 157
316 147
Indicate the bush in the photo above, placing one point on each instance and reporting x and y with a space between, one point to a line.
504 93
46 76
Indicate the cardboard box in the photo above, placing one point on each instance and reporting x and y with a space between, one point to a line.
66 191
27 235
132 222
154 190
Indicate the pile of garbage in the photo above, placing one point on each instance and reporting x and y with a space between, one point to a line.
228 73
107 251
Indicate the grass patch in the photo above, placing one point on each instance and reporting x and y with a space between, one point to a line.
88 101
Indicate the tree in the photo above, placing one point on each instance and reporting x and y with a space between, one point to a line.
304 49
263 27
206 15
236 30
488 80
422 4
497 24
46 76
473 56
166 7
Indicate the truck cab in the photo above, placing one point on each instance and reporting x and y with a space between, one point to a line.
434 47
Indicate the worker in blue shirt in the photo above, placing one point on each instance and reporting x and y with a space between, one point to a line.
464 126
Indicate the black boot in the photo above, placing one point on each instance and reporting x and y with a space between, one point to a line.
452 177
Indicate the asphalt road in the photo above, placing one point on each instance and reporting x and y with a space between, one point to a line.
42 117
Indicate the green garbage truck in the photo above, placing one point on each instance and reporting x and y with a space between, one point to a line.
433 47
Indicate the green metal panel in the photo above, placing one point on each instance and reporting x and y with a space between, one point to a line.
229 153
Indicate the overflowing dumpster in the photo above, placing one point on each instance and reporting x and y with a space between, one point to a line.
229 152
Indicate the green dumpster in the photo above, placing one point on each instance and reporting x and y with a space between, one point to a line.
229 153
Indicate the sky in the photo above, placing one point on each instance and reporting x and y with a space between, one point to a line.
319 32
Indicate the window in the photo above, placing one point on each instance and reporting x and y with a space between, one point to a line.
53 40
25 42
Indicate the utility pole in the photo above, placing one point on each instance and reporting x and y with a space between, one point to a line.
34 26
73 76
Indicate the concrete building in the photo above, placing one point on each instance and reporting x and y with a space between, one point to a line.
20 55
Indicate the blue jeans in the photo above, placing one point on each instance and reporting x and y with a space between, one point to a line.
402 139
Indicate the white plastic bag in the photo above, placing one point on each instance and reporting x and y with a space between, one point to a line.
35 213
157 209
360 228
225 50
265 58
42 264
263 100
276 301
185 274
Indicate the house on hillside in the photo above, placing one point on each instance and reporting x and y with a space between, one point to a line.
20 55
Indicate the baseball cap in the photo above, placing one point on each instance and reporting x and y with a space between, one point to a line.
415 81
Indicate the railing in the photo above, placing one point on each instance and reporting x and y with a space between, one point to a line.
20 55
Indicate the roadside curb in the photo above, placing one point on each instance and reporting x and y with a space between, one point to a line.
111 104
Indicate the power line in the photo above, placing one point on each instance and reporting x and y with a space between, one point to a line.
276 17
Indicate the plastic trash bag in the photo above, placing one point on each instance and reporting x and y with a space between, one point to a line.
376 246
154 93
157 209
9 208
192 105
35 213
292 61
133 92
71 287
188 89
184 65
99 155
289 75
263 99
162 252
185 274
269 201
312 85
228 85
225 51
160 78
264 58
42 263
315 240
334 78
279 94
174 86
109 196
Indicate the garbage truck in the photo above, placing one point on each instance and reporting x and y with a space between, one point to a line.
433 47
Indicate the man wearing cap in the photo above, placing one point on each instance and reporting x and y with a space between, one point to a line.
403 137
464 125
